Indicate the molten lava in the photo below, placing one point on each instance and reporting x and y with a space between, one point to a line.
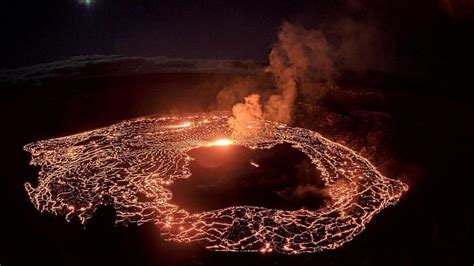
221 142
130 165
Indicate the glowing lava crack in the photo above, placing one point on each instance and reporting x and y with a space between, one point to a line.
130 164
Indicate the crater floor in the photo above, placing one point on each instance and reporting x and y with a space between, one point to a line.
133 166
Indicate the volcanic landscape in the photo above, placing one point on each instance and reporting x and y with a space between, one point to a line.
114 165
236 132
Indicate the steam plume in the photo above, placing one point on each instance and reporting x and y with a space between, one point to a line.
300 60
251 111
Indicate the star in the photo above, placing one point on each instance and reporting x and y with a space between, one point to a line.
86 2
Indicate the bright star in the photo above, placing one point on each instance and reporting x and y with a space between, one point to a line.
86 2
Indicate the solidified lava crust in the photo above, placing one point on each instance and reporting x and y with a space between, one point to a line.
130 166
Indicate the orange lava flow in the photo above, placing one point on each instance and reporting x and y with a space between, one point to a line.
114 165
221 142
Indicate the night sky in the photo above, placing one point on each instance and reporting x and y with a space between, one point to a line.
47 30
412 38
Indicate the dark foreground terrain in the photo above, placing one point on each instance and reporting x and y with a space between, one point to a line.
409 130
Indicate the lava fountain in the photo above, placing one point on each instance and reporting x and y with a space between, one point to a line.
130 166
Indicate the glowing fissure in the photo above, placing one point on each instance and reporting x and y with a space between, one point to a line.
116 164
221 142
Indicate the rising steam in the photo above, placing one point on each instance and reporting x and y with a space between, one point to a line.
251 110
301 61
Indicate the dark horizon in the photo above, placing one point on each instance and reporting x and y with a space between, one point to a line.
423 38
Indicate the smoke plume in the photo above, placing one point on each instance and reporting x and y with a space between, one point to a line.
234 92
250 110
301 60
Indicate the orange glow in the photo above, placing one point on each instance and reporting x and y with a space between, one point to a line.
267 248
357 190
222 142
185 124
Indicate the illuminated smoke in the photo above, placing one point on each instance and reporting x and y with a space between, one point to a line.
250 110
305 63
300 60
234 92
